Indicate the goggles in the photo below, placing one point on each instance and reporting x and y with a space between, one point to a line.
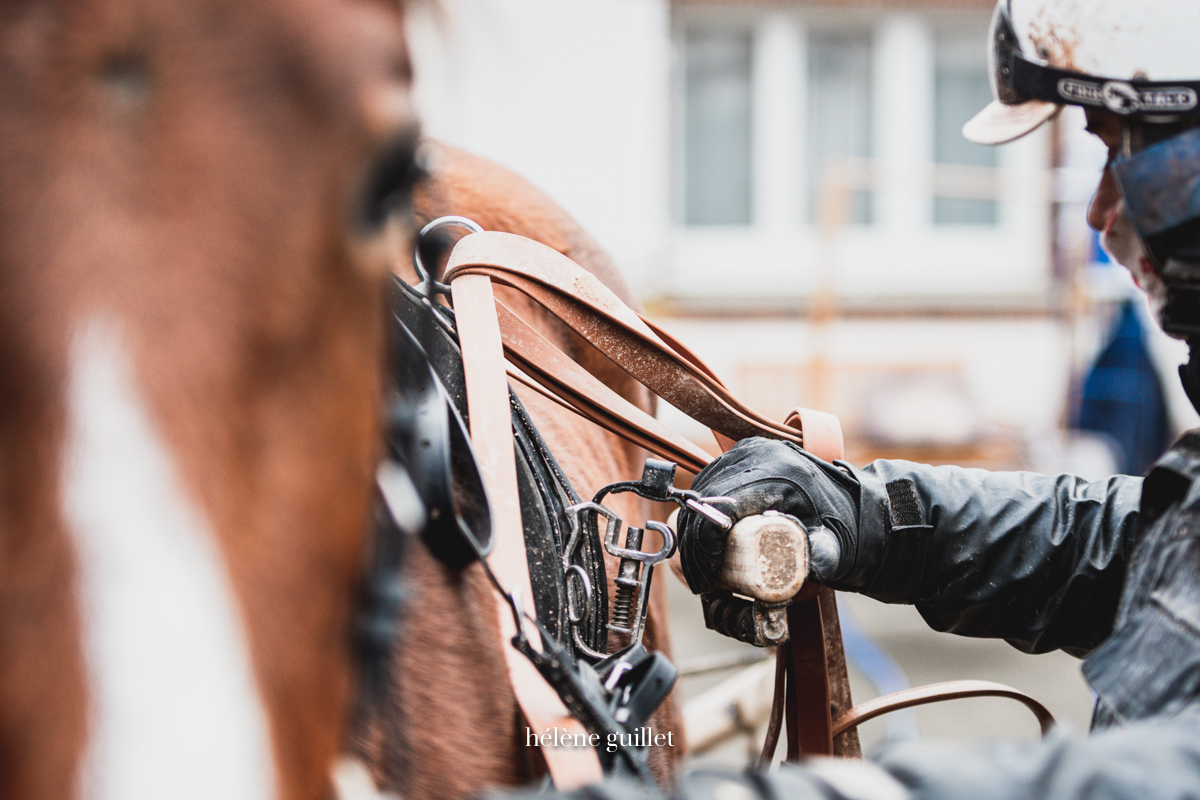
1161 188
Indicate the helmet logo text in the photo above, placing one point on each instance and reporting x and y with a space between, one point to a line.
1081 91
1121 97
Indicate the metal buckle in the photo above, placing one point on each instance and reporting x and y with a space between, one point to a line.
633 580
636 570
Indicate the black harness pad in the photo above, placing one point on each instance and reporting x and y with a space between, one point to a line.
544 491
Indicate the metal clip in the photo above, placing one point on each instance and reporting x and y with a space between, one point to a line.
633 577
753 622
579 586
760 623
757 622
658 483
703 506
634 574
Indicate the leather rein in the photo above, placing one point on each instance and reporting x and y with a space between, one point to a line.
538 544
812 685
812 676
812 692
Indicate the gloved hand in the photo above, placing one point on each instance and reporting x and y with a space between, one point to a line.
765 474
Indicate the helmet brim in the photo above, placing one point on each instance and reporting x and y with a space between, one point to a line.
998 123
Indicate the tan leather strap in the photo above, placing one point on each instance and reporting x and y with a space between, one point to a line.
492 439
584 304
822 431
672 371
936 693
588 396
809 725
818 681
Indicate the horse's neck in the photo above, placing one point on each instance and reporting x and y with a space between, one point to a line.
499 200
466 652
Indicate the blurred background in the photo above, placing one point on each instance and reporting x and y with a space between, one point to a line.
785 186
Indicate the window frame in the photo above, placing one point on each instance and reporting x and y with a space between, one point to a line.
1009 260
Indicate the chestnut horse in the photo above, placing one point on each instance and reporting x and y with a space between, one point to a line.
453 726
193 263
192 278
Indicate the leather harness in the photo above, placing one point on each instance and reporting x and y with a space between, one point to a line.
812 687
813 661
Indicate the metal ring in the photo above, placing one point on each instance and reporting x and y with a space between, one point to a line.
428 285
576 616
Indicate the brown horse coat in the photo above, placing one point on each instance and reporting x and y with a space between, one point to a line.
450 661
190 352
190 338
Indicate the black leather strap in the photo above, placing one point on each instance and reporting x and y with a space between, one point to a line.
429 438
544 490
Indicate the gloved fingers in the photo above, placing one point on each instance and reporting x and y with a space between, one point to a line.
765 475
747 476
702 543
755 458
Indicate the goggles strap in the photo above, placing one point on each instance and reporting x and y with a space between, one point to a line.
1032 81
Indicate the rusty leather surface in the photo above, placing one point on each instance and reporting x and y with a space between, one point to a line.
591 310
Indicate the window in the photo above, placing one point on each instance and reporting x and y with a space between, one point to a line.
782 121
839 117
717 128
960 90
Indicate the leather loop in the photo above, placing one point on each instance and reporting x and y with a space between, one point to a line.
822 432
936 693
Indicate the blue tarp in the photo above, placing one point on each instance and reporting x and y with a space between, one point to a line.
1123 397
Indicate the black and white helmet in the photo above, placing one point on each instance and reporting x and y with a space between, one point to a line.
1139 59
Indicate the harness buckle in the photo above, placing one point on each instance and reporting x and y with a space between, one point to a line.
634 574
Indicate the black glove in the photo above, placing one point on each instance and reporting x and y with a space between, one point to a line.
766 474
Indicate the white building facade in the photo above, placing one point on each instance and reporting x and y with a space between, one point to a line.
785 185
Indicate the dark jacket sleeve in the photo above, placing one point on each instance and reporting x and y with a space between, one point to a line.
1158 759
1034 559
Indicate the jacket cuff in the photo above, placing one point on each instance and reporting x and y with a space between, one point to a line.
893 533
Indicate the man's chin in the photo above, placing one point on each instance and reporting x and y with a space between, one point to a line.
1128 251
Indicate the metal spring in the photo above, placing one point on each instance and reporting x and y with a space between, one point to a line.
627 581
623 606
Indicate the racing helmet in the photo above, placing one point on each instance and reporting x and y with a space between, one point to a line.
1138 59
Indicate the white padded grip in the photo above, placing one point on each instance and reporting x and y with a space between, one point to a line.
766 557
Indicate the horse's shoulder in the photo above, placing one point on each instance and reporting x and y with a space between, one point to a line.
500 200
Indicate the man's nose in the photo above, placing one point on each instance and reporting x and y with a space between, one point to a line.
1104 202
